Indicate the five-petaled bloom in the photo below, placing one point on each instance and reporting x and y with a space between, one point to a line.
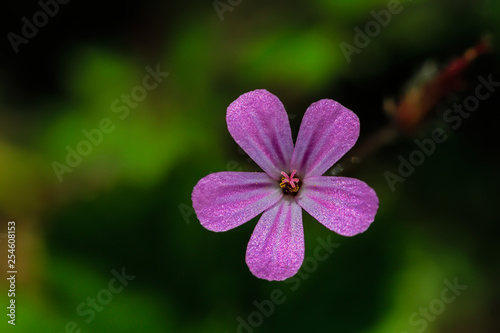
292 180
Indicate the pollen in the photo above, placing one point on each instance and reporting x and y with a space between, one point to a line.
289 184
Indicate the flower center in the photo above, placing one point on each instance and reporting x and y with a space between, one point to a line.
290 185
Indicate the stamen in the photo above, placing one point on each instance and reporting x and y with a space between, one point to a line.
289 183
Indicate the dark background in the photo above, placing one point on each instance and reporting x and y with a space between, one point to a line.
128 203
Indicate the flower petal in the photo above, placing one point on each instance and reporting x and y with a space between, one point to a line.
344 205
327 132
259 124
225 200
276 249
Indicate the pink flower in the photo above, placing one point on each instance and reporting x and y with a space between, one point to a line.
292 180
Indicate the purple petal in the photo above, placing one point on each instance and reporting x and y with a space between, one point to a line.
276 248
259 124
327 132
225 200
344 205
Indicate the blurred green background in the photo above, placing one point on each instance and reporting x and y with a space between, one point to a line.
127 205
